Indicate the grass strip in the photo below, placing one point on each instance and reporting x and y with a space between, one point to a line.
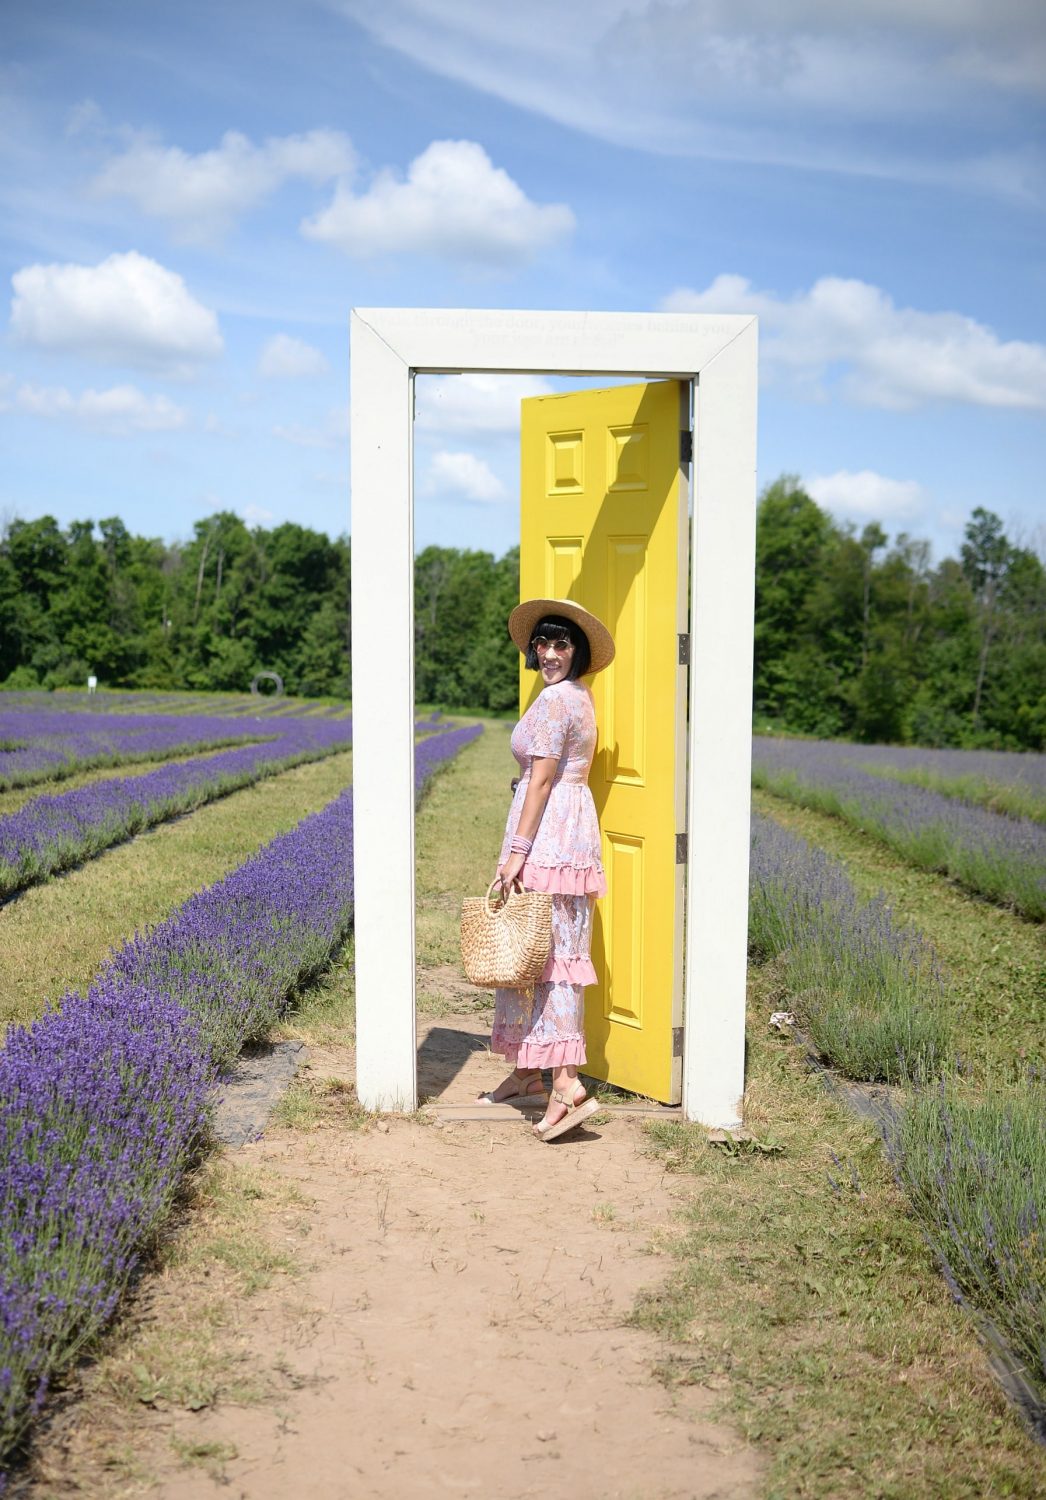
806 1302
458 832
58 771
866 990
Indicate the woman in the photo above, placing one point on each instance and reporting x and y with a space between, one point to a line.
552 844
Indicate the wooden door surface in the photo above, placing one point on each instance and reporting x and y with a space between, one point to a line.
604 522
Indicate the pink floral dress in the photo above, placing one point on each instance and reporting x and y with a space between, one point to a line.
545 1029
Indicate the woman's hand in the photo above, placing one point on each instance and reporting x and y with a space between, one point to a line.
510 871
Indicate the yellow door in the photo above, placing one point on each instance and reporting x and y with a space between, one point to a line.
604 522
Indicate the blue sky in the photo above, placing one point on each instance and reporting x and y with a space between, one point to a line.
195 196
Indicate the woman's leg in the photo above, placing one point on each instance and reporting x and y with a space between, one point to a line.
512 1018
520 1082
564 1081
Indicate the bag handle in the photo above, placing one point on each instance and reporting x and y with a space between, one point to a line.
503 901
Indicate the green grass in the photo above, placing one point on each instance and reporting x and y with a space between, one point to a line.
994 961
807 1300
458 833
55 936
313 1103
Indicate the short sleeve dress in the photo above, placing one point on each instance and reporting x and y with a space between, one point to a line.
545 1028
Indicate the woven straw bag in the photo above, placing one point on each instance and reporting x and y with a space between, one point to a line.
506 943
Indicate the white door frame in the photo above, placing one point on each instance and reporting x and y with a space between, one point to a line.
389 346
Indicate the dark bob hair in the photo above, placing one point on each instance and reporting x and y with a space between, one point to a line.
558 627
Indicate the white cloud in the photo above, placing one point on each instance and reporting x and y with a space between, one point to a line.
454 203
118 411
881 354
462 476
286 358
203 194
129 310
866 495
475 403
755 80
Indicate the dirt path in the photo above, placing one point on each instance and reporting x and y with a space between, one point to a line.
461 1325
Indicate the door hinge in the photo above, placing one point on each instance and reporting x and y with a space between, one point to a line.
686 446
684 650
680 848
677 1041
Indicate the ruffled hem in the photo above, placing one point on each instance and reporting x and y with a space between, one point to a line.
565 1054
564 880
578 969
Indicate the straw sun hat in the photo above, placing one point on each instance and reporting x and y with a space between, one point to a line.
525 616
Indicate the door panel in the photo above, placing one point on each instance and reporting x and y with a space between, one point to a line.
604 522
625 695
562 566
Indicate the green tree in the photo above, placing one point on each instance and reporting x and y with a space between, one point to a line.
793 539
986 557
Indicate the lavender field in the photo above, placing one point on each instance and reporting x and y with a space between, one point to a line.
39 745
872 999
104 1100
55 832
999 856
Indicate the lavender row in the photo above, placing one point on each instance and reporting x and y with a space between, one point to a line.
870 996
104 1101
47 746
1016 799
868 992
56 832
1000 857
1005 781
430 754
975 1172
1000 767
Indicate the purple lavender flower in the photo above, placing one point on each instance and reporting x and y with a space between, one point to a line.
868 991
1001 857
55 832
431 753
103 1100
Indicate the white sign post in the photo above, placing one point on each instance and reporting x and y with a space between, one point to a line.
389 346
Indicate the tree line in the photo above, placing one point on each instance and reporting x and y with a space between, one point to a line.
855 637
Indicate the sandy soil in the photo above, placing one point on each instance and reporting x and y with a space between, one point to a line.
461 1325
